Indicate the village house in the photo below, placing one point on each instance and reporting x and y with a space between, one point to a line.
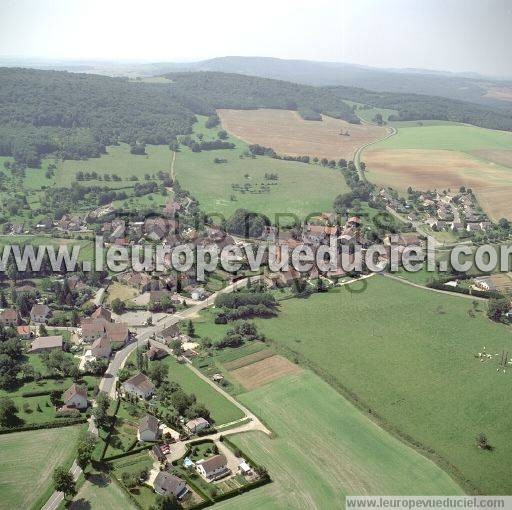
156 353
167 484
139 281
40 314
197 425
102 313
101 347
213 468
169 333
140 386
456 226
148 429
156 296
46 343
9 317
75 397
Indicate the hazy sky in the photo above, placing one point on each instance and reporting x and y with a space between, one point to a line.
458 35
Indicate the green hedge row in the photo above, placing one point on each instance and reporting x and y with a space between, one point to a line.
64 422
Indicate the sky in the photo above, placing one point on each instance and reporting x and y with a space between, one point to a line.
452 35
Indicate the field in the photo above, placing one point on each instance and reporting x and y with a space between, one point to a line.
98 492
445 156
28 461
264 371
414 365
119 291
368 114
502 93
240 182
287 133
324 449
408 354
118 160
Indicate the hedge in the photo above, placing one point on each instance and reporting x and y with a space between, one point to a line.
65 422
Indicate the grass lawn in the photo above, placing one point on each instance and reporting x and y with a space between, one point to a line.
325 448
117 290
301 189
28 461
409 355
99 492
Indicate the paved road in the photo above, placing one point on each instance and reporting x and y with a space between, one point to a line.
357 155
107 383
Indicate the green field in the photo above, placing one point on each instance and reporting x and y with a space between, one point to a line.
452 137
99 492
28 461
408 354
325 448
118 160
301 189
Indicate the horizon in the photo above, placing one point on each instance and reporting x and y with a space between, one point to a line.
454 36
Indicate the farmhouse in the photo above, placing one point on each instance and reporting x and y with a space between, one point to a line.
40 314
148 429
139 385
75 397
213 468
9 317
170 332
46 343
196 425
102 313
170 485
93 329
101 347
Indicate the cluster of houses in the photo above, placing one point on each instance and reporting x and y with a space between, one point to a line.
454 211
103 334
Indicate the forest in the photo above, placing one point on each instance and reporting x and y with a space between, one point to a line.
422 107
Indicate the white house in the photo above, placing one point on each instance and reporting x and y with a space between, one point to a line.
148 429
196 425
139 385
75 397
213 468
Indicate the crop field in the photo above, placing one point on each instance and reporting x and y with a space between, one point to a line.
324 449
242 182
99 492
249 359
447 156
28 461
264 371
415 364
287 133
502 93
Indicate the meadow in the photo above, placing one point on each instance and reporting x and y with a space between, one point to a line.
241 183
28 461
324 448
446 155
409 357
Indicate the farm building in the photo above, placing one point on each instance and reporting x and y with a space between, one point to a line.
46 343
101 347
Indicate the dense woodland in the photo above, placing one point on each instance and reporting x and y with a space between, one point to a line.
203 92
75 116
78 115
420 107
